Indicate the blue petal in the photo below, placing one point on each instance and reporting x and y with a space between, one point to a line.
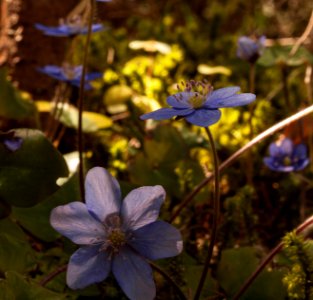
300 151
87 265
60 31
275 165
286 147
103 193
13 144
204 117
75 222
93 75
157 240
300 165
223 93
247 48
232 101
76 82
54 72
95 28
275 150
134 275
180 100
166 113
141 206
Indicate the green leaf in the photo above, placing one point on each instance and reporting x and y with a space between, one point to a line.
165 146
237 265
68 115
5 209
15 254
16 287
162 152
28 175
12 104
116 97
117 94
36 218
9 227
209 70
277 55
192 276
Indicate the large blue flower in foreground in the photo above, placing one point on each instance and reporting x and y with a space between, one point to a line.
199 104
286 157
250 49
115 235
67 29
70 74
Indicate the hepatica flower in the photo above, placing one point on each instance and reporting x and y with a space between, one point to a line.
250 49
68 28
70 74
10 141
115 235
286 157
199 104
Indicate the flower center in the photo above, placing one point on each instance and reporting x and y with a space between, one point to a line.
68 71
197 100
116 239
74 22
287 161
199 91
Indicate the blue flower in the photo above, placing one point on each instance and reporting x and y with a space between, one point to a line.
11 142
115 235
70 74
103 0
199 104
250 49
69 28
286 157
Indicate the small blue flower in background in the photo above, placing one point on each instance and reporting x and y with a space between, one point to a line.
115 235
199 104
69 28
103 0
70 74
250 49
10 141
286 157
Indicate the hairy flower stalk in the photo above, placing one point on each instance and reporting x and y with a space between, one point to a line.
215 216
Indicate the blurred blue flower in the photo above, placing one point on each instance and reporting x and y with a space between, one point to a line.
10 141
69 28
70 74
115 235
286 157
199 104
103 0
250 49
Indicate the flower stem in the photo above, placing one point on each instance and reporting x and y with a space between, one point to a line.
284 72
50 276
81 102
238 153
250 122
215 217
169 279
268 258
